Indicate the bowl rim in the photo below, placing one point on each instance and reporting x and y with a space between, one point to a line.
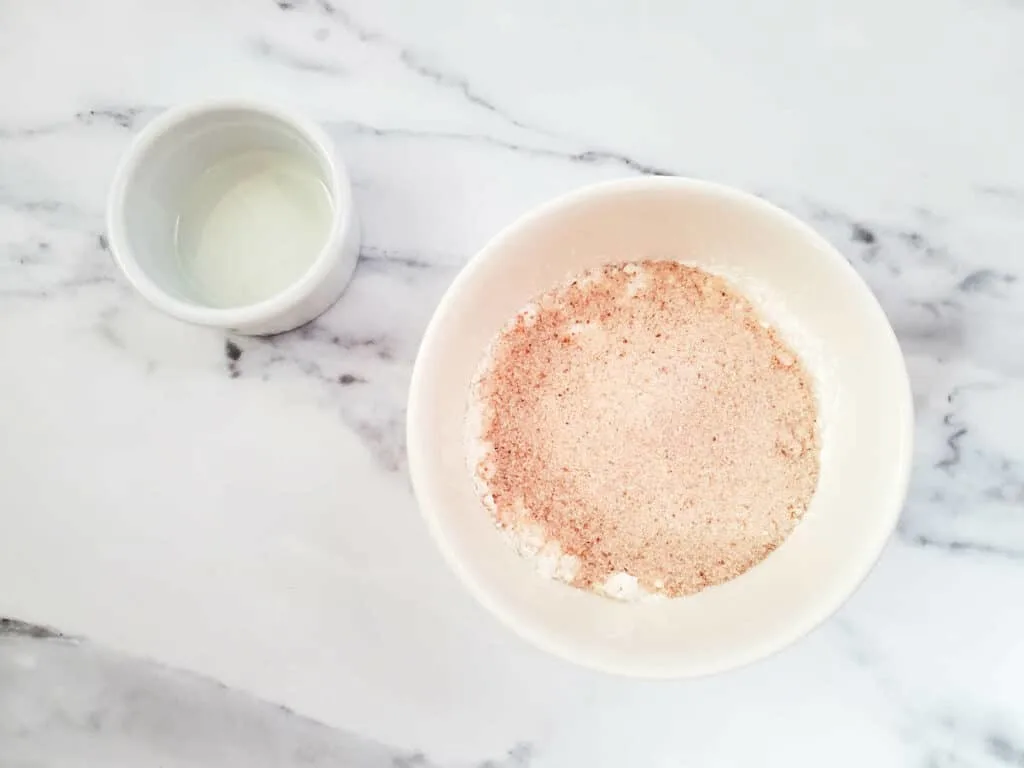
535 633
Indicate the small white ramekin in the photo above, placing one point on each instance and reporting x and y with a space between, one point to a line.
173 150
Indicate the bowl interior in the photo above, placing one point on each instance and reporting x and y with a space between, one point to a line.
166 175
824 310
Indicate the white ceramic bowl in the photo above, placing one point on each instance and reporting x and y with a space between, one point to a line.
824 309
163 164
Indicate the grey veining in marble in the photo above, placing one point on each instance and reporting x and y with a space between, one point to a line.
67 704
892 128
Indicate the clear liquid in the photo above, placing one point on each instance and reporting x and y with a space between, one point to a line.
250 226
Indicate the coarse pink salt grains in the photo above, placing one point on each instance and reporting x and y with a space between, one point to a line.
641 425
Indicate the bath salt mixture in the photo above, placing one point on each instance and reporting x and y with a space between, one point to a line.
640 430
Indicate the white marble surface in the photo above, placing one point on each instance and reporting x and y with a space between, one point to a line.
146 465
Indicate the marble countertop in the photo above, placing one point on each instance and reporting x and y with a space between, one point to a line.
136 451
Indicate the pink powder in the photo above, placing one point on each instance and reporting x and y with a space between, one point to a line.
645 419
